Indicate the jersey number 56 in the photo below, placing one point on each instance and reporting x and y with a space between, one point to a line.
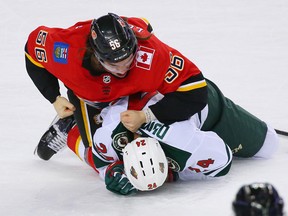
177 65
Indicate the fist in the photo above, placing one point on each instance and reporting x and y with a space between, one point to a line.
132 119
63 107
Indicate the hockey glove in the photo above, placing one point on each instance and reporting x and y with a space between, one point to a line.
116 181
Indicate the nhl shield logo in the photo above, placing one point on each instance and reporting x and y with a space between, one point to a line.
106 79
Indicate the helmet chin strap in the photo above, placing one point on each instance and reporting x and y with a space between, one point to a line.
121 68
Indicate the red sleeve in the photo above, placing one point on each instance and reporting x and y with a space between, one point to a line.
49 46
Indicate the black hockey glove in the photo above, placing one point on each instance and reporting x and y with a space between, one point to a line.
116 180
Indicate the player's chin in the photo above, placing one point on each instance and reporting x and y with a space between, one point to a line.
121 75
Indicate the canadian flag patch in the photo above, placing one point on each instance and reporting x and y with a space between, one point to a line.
144 57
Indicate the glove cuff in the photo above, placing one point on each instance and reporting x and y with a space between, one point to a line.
172 176
111 167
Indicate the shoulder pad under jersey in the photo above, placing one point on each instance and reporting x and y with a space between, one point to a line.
141 27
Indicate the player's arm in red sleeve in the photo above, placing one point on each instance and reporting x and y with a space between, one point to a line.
46 83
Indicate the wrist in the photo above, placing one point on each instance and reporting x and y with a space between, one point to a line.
56 98
149 116
115 165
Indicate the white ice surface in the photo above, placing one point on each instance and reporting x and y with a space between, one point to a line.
242 45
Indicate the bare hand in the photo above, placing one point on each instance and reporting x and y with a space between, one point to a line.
132 119
63 107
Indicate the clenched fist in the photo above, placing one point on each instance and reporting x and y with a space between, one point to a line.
63 107
132 119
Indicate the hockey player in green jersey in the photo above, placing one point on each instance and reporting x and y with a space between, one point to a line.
198 148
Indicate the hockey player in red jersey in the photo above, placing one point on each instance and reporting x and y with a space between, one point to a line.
102 60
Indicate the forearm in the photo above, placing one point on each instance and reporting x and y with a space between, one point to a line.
179 106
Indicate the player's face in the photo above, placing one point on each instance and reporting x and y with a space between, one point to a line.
121 68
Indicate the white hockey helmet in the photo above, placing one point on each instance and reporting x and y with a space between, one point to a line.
145 163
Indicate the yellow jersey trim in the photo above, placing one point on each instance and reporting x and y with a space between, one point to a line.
33 61
192 86
145 20
77 147
86 122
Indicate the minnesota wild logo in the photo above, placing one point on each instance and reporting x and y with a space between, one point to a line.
173 165
120 140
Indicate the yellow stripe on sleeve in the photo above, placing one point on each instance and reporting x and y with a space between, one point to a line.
192 86
145 20
86 122
77 147
33 61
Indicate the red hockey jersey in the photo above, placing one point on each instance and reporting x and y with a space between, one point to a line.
157 66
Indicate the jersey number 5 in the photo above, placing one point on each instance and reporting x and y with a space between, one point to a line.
40 52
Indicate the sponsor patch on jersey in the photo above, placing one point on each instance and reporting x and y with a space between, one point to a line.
144 57
60 52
